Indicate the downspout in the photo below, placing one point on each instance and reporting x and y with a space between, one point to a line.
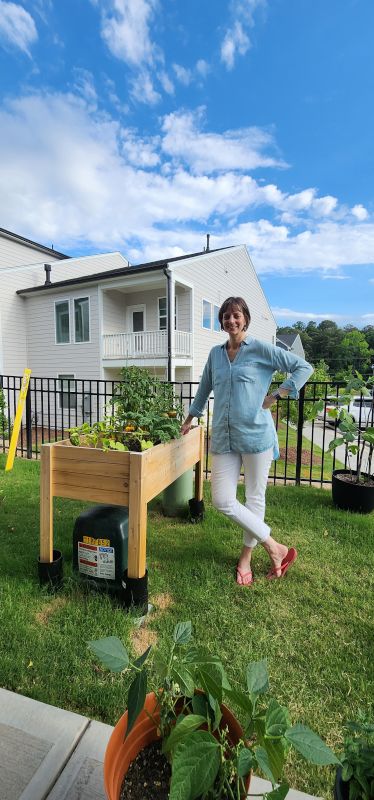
167 273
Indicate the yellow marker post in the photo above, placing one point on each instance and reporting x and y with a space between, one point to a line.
17 420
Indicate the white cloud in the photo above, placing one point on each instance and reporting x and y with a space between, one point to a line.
166 83
77 177
143 90
288 313
183 75
85 86
335 277
125 27
360 212
17 27
202 67
207 152
236 40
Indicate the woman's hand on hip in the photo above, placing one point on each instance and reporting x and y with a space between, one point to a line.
269 401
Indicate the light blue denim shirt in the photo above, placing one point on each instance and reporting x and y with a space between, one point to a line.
240 424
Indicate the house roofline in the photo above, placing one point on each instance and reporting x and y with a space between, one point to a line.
35 245
116 273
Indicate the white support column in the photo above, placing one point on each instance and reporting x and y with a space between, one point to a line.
172 318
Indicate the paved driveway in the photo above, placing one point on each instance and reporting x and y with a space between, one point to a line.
323 436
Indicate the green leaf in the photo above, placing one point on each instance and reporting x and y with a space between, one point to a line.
200 705
195 766
276 721
264 764
245 762
160 667
275 751
217 713
240 699
183 677
335 443
279 793
111 652
211 681
182 632
136 699
309 744
140 661
186 725
257 677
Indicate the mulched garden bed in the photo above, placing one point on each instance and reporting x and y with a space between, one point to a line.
290 456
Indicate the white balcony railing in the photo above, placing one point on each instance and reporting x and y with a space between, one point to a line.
145 344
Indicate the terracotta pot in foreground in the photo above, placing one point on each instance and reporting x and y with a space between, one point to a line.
119 753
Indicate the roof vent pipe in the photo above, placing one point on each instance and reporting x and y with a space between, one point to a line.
207 242
47 268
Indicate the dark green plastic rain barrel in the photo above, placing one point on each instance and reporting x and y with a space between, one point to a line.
100 546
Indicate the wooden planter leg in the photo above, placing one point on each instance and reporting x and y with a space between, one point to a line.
46 505
137 544
199 469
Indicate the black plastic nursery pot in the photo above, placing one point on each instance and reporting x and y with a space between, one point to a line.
350 496
51 573
341 788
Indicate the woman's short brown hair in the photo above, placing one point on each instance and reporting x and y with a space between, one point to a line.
240 304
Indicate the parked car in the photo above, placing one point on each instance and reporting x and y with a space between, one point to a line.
331 402
361 409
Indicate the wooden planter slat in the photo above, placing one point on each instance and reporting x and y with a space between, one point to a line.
128 479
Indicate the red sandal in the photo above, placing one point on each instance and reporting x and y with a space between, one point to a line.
289 559
243 576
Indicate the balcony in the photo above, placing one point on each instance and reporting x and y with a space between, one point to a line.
145 344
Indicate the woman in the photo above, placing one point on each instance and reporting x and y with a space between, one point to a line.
243 431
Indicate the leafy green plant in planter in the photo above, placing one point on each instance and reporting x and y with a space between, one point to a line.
144 413
355 778
353 489
191 686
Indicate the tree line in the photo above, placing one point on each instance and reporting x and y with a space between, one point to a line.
343 350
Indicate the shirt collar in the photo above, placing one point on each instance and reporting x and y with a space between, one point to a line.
245 341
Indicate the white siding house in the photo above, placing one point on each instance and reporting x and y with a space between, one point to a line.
88 317
126 311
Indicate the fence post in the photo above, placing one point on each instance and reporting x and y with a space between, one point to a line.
28 425
299 445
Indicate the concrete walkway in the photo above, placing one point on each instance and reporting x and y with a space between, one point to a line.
48 753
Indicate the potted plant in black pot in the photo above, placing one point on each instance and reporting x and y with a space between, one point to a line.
355 777
188 731
353 488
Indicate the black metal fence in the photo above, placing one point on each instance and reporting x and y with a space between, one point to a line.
54 405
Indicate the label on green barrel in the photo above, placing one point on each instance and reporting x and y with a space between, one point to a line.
97 561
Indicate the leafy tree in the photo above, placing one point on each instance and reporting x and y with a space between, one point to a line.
354 352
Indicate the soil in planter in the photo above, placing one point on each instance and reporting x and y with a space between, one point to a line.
346 478
148 776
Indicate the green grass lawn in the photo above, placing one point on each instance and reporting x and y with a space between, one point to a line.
314 627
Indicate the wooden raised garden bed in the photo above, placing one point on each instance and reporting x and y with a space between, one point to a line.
119 478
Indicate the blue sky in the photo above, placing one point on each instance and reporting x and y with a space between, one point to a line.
141 125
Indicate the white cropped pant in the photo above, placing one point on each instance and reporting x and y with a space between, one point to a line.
224 481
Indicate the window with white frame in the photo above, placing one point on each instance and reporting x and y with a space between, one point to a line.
62 321
207 315
163 314
82 319
216 322
67 392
